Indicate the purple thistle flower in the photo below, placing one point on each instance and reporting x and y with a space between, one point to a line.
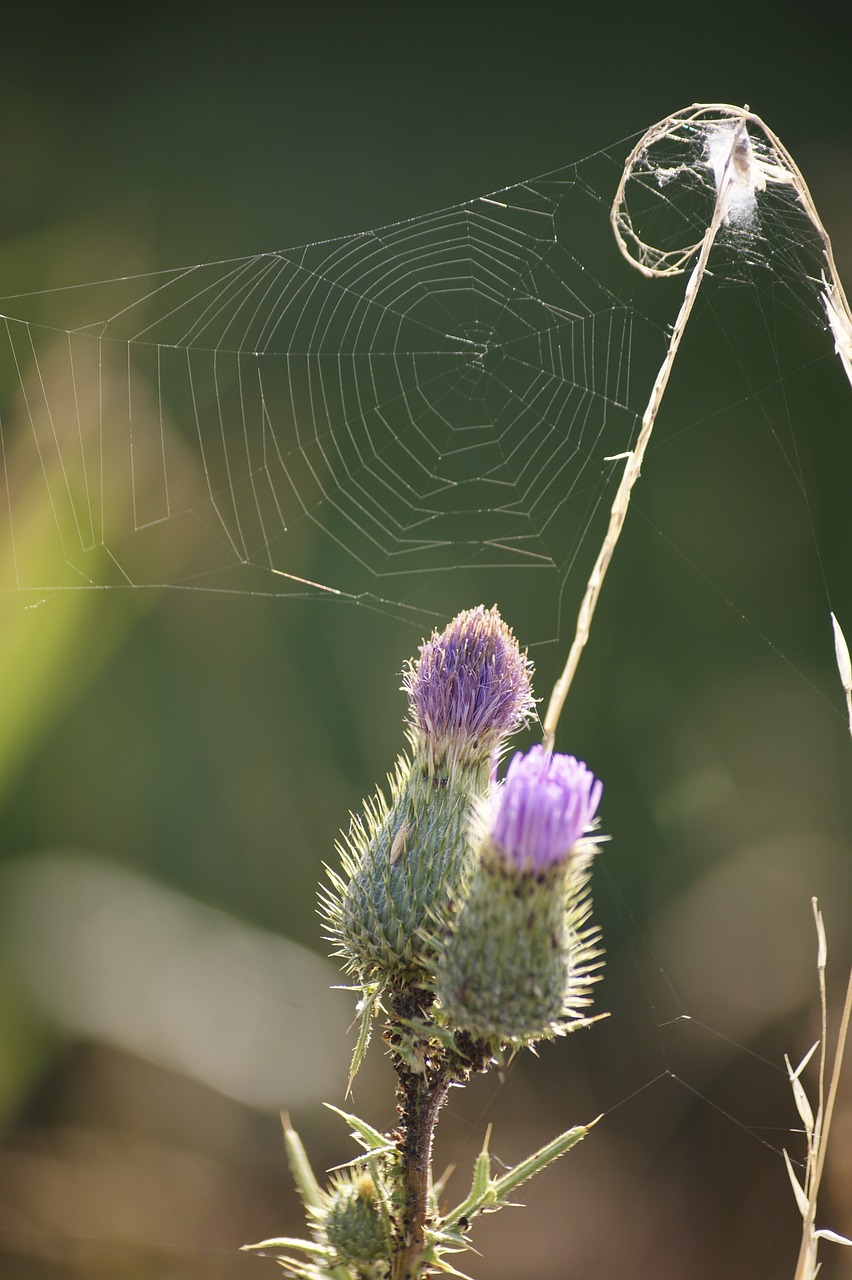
468 691
544 806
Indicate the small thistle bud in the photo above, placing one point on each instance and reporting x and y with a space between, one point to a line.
467 693
356 1223
517 961
402 861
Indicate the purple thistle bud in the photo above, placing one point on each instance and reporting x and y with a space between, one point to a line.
468 691
544 806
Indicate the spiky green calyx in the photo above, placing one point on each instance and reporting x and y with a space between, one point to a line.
356 1223
517 960
400 864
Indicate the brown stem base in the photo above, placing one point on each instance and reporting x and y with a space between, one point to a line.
425 1072
421 1092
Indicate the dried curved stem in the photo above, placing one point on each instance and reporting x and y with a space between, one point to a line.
630 475
740 169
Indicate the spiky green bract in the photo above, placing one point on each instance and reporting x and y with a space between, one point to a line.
350 1220
400 863
356 1224
518 958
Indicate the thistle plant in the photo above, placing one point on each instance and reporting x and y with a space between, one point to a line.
461 905
461 911
528 883
402 861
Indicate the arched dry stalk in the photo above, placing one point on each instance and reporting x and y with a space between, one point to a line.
817 1124
742 159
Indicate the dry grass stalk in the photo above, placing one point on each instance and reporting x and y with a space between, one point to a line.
817 1126
740 175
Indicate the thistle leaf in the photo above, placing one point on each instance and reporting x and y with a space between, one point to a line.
370 1138
430 1031
450 1270
310 1192
496 1191
482 1169
541 1159
366 1010
288 1242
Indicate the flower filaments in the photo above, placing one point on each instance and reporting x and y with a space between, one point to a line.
543 808
403 861
517 959
467 693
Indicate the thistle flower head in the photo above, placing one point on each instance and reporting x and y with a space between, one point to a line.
467 692
543 808
356 1224
403 861
518 956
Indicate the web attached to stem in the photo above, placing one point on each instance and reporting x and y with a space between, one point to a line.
360 417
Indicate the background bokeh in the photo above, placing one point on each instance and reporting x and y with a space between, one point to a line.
174 768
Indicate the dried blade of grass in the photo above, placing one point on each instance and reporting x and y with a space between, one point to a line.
817 1136
803 1106
806 1266
834 1084
798 1191
844 665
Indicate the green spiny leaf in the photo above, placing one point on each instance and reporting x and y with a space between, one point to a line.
366 1010
482 1170
370 1138
430 1031
540 1160
311 1193
319 1251
493 1193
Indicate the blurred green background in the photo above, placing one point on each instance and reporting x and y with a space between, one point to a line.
174 767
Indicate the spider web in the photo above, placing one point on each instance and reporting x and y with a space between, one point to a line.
387 417
366 417
356 417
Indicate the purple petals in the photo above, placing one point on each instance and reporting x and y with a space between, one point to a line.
469 689
544 806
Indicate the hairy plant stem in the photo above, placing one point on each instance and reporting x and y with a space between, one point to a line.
421 1092
424 1075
